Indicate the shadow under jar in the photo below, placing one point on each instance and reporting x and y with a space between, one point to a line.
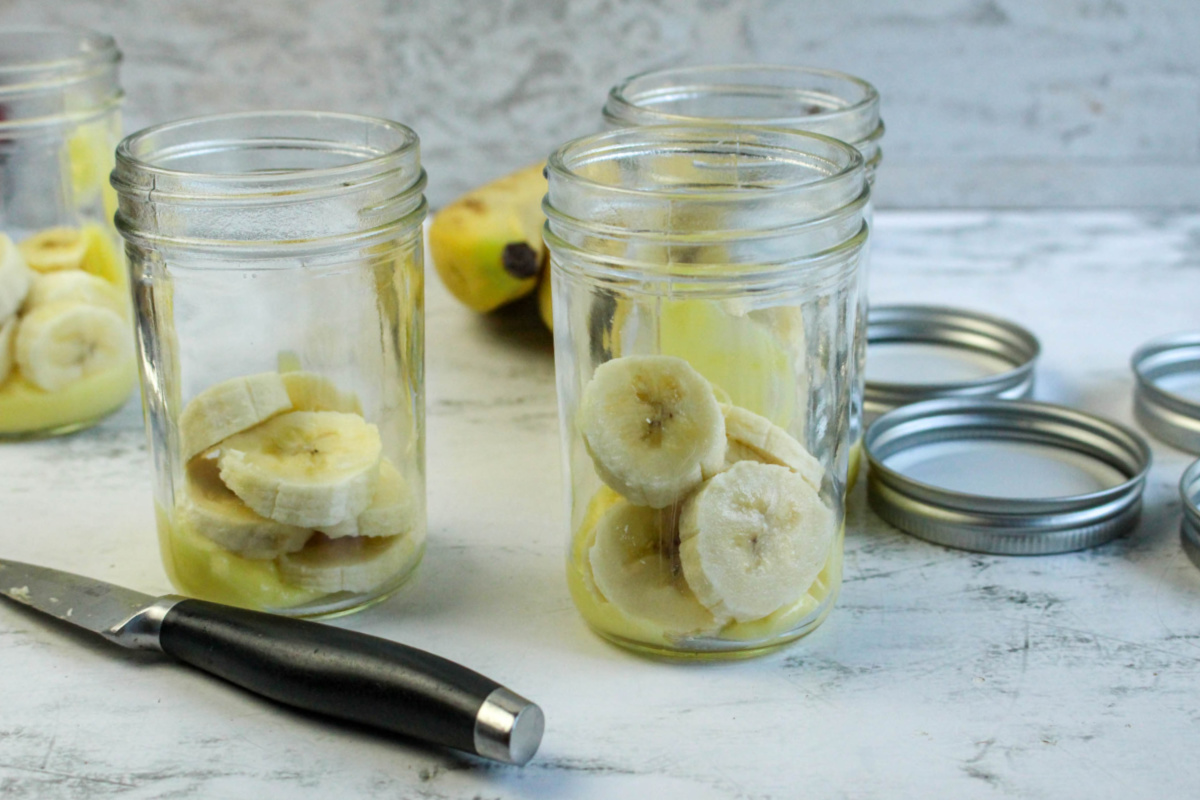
66 332
705 288
277 268
797 98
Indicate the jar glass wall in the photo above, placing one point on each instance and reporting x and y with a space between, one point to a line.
66 335
277 268
798 98
705 288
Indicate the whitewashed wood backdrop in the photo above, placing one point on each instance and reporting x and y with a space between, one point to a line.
988 103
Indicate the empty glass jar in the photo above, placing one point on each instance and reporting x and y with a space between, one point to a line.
705 292
277 268
798 98
66 331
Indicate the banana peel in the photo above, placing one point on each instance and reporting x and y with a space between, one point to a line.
487 245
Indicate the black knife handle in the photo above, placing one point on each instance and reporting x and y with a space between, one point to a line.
345 674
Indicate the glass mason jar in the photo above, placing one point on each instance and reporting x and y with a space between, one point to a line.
798 98
277 275
705 292
66 332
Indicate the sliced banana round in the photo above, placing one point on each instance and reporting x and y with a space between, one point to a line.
753 539
635 565
15 278
309 391
60 343
207 507
352 564
230 407
392 511
74 286
653 428
8 330
306 468
55 249
755 438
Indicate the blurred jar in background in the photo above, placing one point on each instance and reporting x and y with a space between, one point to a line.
66 335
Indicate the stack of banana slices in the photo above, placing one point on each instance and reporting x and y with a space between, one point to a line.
59 322
718 522
283 467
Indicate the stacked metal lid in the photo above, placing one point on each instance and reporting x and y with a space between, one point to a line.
1189 487
959 458
1166 401
922 352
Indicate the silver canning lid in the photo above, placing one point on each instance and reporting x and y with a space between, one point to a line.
921 352
1010 477
1166 399
1189 488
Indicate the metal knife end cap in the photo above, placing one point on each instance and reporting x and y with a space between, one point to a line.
508 728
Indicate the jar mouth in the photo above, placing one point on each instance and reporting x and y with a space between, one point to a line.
751 178
52 75
264 152
800 98
258 181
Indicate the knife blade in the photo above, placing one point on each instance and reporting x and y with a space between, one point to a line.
344 674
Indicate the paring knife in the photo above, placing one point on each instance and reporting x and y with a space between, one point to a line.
315 667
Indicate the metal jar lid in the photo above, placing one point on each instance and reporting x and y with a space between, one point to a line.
1010 477
922 352
1166 400
1189 488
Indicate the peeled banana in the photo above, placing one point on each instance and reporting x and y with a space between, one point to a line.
305 468
55 249
59 343
15 278
635 566
308 391
353 564
210 509
391 513
754 438
753 539
8 329
653 428
231 407
75 286
487 245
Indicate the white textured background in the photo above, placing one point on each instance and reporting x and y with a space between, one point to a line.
988 102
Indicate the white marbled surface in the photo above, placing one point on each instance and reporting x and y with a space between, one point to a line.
1022 103
940 673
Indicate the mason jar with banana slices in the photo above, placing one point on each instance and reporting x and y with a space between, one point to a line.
66 330
276 261
706 286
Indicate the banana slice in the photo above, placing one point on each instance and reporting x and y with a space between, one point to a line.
391 513
209 508
309 391
7 330
753 539
354 564
754 438
59 343
230 407
635 565
74 286
15 278
55 249
306 468
653 428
